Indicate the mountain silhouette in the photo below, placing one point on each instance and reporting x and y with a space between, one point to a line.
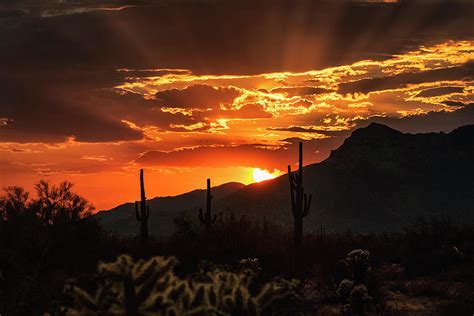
378 180
163 211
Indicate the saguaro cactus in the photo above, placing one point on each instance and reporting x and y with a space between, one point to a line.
144 213
300 201
207 219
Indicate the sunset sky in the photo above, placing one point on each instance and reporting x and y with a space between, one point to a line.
92 91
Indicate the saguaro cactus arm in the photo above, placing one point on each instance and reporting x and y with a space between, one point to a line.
306 205
201 216
137 214
293 177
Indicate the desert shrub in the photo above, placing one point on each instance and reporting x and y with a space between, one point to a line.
341 272
427 287
360 302
433 245
344 290
236 237
152 288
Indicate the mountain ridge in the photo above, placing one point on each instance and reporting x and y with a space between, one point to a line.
164 209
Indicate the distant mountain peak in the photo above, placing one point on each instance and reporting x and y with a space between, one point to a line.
376 130
466 129
228 186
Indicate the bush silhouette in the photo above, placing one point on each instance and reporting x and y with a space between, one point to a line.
433 244
43 239
360 301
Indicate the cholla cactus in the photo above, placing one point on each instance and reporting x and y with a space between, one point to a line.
230 294
354 291
151 288
358 264
125 287
344 290
251 265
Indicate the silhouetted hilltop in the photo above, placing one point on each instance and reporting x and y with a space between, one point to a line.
378 180
163 210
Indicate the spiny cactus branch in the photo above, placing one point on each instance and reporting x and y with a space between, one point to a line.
136 212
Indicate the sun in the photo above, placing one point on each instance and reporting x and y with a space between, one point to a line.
260 175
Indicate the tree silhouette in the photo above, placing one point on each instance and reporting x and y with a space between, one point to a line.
59 203
13 203
50 231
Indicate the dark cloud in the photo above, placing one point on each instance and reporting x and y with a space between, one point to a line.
440 91
464 72
302 102
221 156
11 13
251 155
197 96
53 123
300 129
39 113
252 36
442 121
134 108
457 103
53 70
247 111
300 91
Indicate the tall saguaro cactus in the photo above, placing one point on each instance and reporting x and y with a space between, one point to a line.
207 219
144 213
300 201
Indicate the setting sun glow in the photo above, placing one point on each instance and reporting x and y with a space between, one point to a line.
260 175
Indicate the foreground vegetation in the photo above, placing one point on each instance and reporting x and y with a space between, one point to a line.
56 259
